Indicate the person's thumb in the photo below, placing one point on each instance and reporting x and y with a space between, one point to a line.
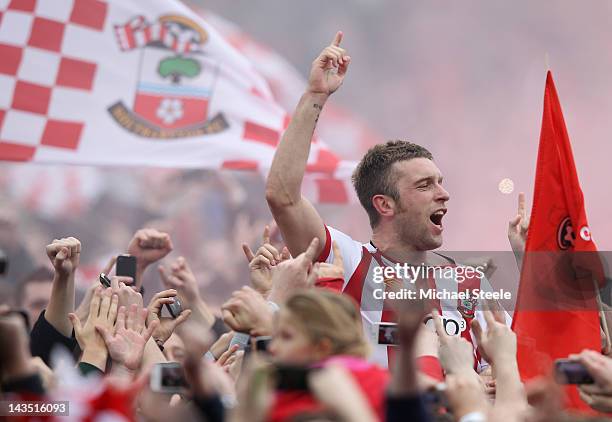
512 224
182 317
103 331
60 257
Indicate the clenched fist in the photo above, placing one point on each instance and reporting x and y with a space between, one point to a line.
64 255
148 246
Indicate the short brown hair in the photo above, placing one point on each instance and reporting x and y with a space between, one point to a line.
373 175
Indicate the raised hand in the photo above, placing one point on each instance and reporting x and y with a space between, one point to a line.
127 295
329 68
64 255
599 367
102 314
181 278
126 340
83 309
497 344
294 274
336 268
465 395
456 353
148 246
262 262
518 227
166 325
248 312
205 378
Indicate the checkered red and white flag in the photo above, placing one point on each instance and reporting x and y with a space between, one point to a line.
127 82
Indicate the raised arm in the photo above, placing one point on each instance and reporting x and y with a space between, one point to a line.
64 254
297 219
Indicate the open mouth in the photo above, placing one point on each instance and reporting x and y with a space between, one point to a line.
436 218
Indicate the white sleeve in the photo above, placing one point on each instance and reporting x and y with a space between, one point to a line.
350 249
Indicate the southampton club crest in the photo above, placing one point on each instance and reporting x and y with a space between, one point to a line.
175 82
467 307
566 237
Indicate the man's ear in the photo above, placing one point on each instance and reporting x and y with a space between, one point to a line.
384 204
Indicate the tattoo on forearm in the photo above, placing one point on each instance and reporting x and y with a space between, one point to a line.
317 107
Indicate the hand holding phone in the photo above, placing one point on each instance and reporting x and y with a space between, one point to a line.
569 371
175 308
168 377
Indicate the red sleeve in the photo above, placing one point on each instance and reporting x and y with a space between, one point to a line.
330 283
430 365
327 248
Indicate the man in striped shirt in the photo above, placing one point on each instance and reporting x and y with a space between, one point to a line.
400 188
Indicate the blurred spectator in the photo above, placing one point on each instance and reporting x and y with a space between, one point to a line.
33 292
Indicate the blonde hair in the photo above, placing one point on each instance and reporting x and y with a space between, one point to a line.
324 314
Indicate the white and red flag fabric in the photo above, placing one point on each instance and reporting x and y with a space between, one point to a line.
133 83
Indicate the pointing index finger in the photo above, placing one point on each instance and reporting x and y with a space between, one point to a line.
337 39
311 252
438 324
521 204
266 235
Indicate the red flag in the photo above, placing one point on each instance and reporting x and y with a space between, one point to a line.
556 312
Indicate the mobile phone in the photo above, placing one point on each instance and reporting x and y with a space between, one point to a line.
175 308
3 262
388 334
262 343
126 266
571 372
292 378
168 377
104 280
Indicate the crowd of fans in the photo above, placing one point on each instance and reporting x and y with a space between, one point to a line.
286 346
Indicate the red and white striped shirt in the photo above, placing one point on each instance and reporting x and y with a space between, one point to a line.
360 266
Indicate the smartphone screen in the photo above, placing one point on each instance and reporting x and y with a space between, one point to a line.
126 266
572 372
168 377
388 334
3 262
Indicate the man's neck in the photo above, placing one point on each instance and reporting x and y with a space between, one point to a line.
392 247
